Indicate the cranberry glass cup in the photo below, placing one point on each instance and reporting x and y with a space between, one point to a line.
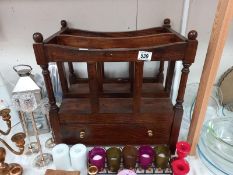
97 157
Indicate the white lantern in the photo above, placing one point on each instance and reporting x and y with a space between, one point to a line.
25 85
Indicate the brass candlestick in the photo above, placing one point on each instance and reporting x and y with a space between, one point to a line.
13 168
5 113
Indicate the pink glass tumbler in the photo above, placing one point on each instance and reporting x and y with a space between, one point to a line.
182 149
180 167
97 157
146 155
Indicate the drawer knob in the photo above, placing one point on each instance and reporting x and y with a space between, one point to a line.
150 133
82 134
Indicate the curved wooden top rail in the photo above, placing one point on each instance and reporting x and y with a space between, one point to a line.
83 46
155 30
143 32
117 42
56 53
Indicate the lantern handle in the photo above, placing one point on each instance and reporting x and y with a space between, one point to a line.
23 71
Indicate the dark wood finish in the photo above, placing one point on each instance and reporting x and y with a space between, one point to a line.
93 86
53 112
107 43
156 30
170 74
160 76
100 133
114 110
117 89
62 76
72 75
61 172
131 75
101 110
178 108
100 74
55 53
137 93
167 23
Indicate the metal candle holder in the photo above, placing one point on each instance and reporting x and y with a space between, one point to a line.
13 168
27 103
31 147
50 143
43 159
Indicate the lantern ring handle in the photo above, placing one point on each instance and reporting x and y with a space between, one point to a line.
17 70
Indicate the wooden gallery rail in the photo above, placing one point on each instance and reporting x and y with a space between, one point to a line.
105 111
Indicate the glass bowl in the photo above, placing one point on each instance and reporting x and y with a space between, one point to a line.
214 162
214 104
219 137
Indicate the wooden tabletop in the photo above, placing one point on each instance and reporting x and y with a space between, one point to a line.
60 172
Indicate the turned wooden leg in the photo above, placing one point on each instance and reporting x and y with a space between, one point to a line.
178 108
53 112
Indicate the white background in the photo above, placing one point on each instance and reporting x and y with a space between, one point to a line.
20 19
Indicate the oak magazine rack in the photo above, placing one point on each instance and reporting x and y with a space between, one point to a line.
100 110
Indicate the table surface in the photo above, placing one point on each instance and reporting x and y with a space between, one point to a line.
196 166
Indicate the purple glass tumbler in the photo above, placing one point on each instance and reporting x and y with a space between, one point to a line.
97 157
146 156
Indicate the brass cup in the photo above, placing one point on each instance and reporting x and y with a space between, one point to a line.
19 140
92 170
113 159
8 169
5 113
130 154
16 170
162 156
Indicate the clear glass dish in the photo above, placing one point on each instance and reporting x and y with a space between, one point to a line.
214 169
219 137
213 161
228 109
214 107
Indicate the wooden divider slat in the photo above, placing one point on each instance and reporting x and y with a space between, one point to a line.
138 80
93 86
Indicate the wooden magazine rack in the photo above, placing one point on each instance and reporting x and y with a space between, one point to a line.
99 110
